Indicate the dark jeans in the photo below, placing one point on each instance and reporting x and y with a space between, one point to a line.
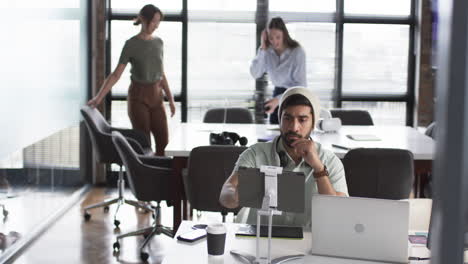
274 115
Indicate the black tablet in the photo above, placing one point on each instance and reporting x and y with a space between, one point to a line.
292 232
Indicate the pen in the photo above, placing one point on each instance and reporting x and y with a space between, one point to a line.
340 147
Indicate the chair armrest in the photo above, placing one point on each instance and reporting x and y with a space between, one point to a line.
136 146
156 161
136 135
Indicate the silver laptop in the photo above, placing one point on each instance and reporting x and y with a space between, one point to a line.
360 228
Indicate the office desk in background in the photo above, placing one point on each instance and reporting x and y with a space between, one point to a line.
186 136
181 252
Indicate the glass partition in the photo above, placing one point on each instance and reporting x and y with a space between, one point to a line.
44 82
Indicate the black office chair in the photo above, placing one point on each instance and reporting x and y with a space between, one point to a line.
379 173
149 178
228 115
208 169
105 152
353 117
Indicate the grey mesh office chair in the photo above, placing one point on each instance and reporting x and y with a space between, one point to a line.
379 173
149 178
105 152
228 115
208 169
353 117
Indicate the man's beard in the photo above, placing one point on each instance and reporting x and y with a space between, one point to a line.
288 142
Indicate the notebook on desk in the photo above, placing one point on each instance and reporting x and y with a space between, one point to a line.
363 137
292 232
360 228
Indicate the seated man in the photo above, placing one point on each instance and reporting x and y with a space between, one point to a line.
294 150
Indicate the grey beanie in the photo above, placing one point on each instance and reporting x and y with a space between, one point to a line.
313 99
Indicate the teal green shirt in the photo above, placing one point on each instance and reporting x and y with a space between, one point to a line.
266 154
145 57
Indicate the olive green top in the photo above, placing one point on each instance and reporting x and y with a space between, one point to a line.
146 58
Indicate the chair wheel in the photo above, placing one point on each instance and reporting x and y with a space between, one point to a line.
87 216
144 256
116 223
5 213
116 246
106 209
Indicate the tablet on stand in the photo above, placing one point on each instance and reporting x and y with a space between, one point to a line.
271 190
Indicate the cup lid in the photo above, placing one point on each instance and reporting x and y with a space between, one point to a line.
216 229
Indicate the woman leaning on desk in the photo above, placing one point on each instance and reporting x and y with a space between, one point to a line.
148 81
283 59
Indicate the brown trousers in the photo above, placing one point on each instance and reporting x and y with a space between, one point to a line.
147 113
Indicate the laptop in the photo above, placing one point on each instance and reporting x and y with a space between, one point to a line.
360 228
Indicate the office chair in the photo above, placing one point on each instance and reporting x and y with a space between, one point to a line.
353 117
228 115
379 173
431 130
208 169
4 211
105 152
149 179
427 189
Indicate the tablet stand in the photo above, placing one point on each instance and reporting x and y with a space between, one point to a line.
269 205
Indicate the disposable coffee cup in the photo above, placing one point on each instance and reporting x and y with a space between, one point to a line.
216 239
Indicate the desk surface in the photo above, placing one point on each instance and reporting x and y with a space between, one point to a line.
181 252
186 136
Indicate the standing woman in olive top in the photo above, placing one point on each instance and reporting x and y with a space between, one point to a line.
283 59
148 81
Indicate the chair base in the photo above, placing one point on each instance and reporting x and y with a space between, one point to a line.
120 200
147 232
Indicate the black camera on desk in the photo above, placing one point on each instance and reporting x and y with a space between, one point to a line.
227 138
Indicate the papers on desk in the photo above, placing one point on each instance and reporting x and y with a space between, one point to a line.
342 147
363 137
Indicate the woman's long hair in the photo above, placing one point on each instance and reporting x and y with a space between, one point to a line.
278 23
147 13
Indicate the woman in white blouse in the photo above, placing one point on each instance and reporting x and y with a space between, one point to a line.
283 59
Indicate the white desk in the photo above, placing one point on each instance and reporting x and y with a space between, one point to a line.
181 252
186 136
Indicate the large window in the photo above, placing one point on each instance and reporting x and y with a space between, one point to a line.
302 6
169 32
318 41
357 53
164 5
378 7
218 66
377 65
